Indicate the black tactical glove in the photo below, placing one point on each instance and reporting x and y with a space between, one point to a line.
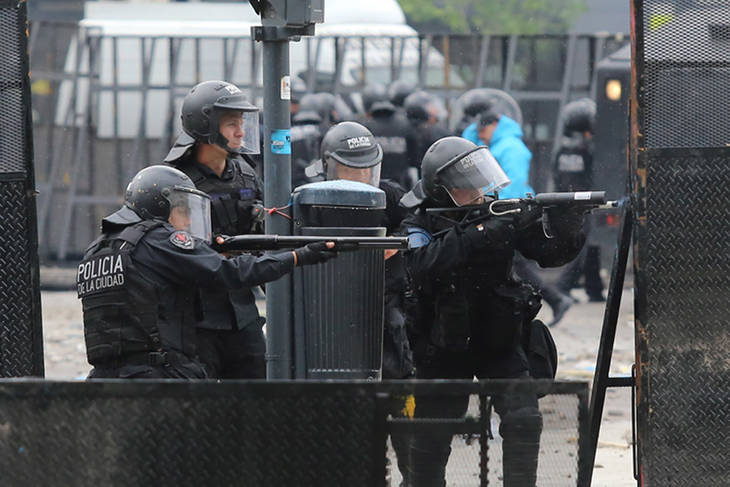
494 232
314 253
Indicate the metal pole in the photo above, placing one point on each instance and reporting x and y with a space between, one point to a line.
565 88
483 58
511 55
277 191
597 56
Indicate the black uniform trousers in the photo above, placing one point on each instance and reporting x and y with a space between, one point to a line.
430 451
233 354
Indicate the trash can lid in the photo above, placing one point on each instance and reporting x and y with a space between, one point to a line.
340 193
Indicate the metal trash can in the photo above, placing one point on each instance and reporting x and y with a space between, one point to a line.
338 305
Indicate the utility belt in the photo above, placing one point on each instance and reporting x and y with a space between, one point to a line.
514 307
506 310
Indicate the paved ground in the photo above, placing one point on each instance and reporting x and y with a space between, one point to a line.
577 337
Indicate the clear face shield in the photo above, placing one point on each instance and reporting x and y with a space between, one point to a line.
472 176
190 211
238 131
368 175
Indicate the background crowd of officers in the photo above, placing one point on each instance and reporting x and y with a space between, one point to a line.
461 302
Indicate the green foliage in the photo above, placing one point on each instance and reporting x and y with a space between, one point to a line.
492 16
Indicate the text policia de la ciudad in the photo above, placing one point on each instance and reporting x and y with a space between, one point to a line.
100 273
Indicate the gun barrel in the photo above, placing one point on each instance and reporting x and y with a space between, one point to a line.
279 242
589 198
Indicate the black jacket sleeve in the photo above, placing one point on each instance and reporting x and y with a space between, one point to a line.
550 252
394 213
441 255
202 266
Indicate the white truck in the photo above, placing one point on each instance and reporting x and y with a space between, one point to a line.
147 55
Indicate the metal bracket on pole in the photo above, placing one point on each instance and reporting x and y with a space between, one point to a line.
262 33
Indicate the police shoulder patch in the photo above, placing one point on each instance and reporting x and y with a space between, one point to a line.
182 239
418 237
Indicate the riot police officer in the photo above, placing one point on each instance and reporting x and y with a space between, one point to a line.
470 317
574 158
399 90
362 164
138 281
220 129
372 93
306 137
573 171
503 135
331 109
424 112
360 161
392 133
473 103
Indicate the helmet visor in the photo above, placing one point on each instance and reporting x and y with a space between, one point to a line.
368 175
238 131
471 176
190 211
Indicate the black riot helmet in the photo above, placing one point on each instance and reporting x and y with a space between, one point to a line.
420 106
167 194
333 109
399 90
475 102
579 116
349 151
207 103
373 93
457 172
330 108
416 106
480 100
310 109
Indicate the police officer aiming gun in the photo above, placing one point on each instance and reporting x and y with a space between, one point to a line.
138 282
470 316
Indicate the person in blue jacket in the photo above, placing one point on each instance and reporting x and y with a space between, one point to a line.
503 136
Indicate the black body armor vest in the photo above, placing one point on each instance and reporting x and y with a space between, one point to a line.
123 312
392 133
478 304
231 199
231 214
